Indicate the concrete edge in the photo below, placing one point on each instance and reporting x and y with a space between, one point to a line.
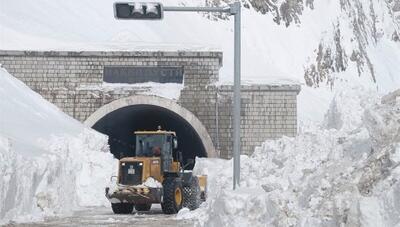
265 87
33 53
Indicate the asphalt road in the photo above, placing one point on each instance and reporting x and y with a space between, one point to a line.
102 216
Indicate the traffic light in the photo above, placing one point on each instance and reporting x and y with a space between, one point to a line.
138 10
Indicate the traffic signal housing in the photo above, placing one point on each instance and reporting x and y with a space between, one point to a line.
138 10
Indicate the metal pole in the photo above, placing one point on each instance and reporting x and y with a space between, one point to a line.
235 10
196 9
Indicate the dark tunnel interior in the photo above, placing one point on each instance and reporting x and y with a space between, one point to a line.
121 124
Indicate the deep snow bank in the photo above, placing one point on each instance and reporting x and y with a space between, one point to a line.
49 163
344 173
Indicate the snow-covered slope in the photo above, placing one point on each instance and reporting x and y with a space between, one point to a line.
346 173
49 163
316 42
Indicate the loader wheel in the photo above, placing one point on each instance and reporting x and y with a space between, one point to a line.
191 194
172 196
143 207
122 208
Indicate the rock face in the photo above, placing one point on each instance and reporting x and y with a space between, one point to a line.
284 11
357 26
370 21
363 22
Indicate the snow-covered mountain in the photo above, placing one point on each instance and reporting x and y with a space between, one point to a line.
348 172
320 43
351 32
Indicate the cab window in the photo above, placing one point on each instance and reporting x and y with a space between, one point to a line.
149 145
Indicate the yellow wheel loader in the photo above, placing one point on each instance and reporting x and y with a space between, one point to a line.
155 175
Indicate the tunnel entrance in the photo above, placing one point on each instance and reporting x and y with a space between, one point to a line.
121 118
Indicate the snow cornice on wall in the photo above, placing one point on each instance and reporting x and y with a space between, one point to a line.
264 87
144 53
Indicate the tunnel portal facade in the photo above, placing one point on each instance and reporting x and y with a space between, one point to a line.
111 92
121 118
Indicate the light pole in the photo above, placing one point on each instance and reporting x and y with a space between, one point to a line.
154 11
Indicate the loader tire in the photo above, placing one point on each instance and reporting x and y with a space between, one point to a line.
122 208
172 195
191 194
143 207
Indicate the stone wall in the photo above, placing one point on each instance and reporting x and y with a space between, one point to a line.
267 111
65 78
69 80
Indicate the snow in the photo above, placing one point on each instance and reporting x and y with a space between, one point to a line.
271 53
166 90
345 172
152 183
50 163
87 26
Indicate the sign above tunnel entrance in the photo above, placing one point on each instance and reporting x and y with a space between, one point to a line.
142 74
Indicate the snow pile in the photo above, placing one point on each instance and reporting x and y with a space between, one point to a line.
152 183
343 174
49 163
114 186
166 90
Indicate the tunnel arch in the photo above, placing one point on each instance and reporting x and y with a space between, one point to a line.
144 108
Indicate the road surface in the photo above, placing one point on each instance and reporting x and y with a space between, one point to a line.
103 216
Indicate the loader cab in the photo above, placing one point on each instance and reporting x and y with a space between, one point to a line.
163 144
153 144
